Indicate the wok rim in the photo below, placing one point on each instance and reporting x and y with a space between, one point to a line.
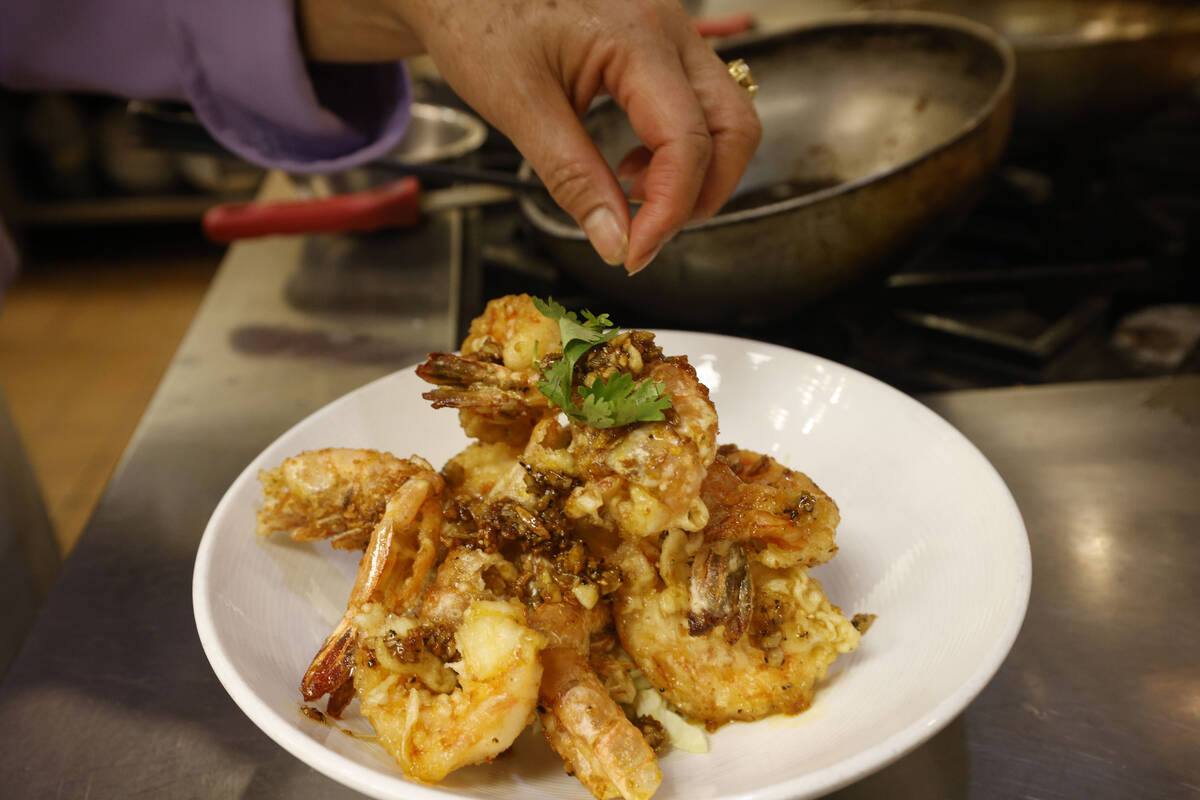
474 133
861 19
1187 25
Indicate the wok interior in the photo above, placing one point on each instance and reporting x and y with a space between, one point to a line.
845 102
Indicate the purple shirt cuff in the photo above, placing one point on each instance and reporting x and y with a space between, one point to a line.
244 74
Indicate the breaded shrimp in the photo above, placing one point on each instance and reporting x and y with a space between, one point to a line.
793 636
511 331
392 571
475 471
781 516
431 732
645 477
338 494
494 381
495 403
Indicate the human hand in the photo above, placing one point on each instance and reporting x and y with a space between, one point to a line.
532 67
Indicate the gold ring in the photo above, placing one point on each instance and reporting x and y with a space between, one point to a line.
740 71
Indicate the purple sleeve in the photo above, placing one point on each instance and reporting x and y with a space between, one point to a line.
237 62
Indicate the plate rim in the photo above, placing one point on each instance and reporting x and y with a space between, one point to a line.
821 781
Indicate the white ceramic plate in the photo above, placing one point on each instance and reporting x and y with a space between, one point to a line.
930 540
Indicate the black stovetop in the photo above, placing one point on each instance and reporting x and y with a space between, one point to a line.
1080 262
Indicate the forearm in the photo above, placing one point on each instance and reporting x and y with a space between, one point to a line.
355 31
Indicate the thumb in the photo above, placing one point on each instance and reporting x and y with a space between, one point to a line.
577 177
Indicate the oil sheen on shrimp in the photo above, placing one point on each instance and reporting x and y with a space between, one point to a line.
431 731
793 636
336 494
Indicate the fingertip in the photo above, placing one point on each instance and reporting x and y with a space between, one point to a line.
703 214
604 231
634 267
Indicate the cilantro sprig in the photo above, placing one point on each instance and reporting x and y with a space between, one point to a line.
607 403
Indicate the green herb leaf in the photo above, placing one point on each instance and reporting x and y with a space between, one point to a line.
619 401
591 330
606 403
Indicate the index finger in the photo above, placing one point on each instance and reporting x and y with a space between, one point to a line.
667 117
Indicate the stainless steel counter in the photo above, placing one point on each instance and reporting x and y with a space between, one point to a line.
111 695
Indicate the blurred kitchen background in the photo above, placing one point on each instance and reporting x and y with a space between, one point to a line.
1079 261
114 265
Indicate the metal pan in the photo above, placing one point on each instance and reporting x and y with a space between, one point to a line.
1087 64
435 133
364 198
437 145
877 132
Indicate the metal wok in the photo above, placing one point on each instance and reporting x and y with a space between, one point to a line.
1087 63
877 132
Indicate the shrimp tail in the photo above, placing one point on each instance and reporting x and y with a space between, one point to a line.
335 494
580 719
590 732
497 401
721 591
447 369
399 555
331 669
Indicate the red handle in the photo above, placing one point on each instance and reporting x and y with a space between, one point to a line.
724 26
397 204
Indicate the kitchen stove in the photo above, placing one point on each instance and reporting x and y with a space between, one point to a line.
1080 262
